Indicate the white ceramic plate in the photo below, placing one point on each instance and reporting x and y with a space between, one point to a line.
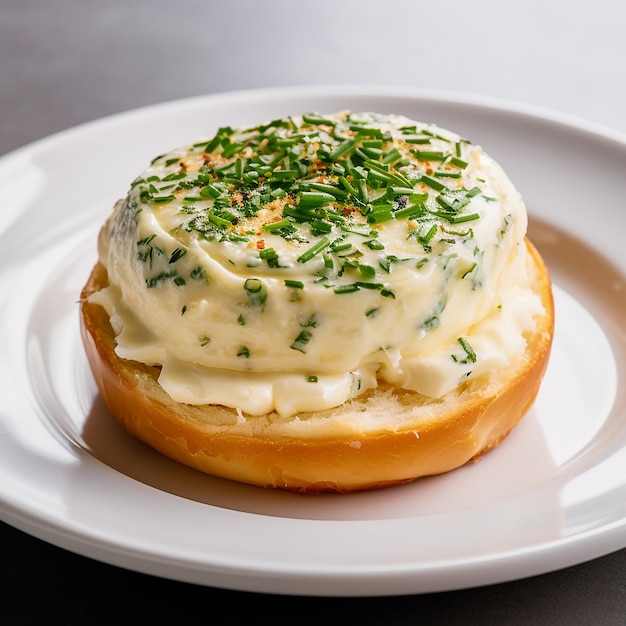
552 495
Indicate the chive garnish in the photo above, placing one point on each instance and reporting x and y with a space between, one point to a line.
270 256
163 199
274 226
426 155
294 284
431 182
314 250
210 191
312 118
198 273
470 355
328 189
232 149
343 148
177 254
328 186
301 341
308 199
256 291
459 219
367 270
346 289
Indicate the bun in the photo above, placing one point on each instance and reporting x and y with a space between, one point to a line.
386 436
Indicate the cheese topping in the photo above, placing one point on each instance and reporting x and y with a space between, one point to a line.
292 265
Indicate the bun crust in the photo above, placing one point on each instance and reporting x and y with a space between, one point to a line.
385 437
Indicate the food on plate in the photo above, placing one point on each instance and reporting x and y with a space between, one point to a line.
333 302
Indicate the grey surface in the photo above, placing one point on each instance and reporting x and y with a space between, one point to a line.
64 62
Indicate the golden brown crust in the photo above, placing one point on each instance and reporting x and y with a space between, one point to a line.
383 438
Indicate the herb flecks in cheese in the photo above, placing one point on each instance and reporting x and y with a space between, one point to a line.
327 248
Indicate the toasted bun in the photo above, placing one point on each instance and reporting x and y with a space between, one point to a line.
385 437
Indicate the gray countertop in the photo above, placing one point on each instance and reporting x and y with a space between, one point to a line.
65 62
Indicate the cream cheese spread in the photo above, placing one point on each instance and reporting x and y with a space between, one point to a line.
293 265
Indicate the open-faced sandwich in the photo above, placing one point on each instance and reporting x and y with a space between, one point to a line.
320 303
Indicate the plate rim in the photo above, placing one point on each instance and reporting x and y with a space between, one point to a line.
526 109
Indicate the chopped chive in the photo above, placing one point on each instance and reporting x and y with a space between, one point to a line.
176 278
301 341
431 182
286 174
274 226
328 189
309 199
417 140
256 291
337 246
174 175
346 288
425 131
270 256
307 255
365 130
294 284
232 149
426 155
470 355
163 199
320 228
365 285
210 191
380 213
312 118
240 166
392 156
177 254
459 162
198 273
374 244
447 174
343 148
425 239
459 219
348 187
218 220
411 211
367 270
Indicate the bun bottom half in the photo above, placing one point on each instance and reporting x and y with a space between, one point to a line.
387 436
